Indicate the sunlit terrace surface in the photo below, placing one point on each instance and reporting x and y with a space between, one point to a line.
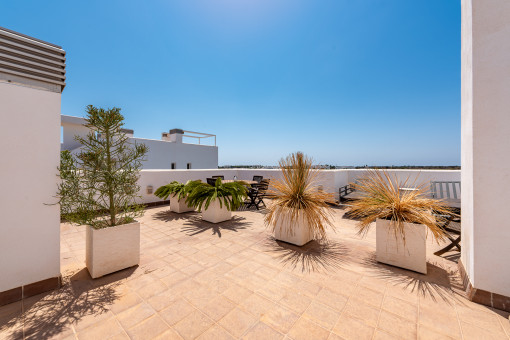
233 280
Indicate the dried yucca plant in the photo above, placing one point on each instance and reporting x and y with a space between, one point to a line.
382 197
297 194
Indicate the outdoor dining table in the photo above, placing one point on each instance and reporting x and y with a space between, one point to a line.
251 193
236 180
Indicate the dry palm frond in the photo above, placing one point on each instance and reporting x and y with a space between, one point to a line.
297 195
382 198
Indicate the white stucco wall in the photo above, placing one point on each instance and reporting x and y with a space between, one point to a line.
29 145
163 153
70 131
331 180
417 177
486 143
157 178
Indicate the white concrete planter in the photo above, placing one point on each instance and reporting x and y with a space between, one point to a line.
215 214
112 249
391 250
179 205
297 232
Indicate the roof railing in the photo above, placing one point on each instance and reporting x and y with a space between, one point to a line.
199 135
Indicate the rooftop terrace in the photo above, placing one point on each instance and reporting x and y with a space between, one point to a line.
233 280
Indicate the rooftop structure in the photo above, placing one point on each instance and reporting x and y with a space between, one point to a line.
168 153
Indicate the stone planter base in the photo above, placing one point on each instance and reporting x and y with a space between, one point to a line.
391 250
296 232
215 214
179 206
112 249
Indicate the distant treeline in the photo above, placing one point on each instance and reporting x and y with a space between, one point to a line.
247 167
327 166
422 167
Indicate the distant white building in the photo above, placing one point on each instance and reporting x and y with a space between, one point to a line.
168 153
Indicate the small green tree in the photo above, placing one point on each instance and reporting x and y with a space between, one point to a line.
99 184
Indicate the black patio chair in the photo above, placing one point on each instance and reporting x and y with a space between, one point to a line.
221 176
257 193
211 181
344 191
452 228
258 178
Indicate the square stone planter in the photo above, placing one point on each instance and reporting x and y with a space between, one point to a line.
112 249
215 213
296 232
179 205
391 250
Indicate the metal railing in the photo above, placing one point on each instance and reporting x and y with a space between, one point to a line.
199 136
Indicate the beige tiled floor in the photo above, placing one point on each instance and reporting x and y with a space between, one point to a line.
232 280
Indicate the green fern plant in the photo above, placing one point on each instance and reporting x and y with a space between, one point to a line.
231 195
181 190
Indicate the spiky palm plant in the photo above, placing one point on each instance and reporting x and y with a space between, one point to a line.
382 198
181 190
297 194
231 195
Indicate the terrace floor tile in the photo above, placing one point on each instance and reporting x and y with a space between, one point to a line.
305 329
234 280
350 328
237 322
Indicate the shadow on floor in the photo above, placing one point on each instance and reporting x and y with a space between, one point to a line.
440 283
194 225
170 216
348 216
453 256
314 256
244 207
47 315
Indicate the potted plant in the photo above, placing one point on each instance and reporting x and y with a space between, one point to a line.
403 218
99 187
217 201
178 193
299 211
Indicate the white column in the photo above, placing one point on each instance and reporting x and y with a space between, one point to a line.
486 144
29 145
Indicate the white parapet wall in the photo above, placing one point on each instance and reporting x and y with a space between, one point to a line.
72 127
331 180
414 177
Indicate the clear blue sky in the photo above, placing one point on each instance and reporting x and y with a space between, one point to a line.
347 82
